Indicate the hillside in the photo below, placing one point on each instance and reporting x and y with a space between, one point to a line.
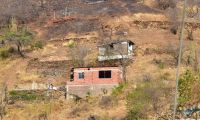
67 34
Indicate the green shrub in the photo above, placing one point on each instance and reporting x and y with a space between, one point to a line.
5 52
137 101
161 65
119 89
145 100
186 83
37 45
71 44
24 95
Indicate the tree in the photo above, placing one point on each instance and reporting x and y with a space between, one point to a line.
20 36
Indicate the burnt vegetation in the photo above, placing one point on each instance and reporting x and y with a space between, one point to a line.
57 18
29 10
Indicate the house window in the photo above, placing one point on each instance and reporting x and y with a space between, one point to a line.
105 74
81 75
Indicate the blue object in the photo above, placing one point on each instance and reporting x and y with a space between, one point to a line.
190 111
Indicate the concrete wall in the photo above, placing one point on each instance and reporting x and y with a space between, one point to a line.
31 86
95 89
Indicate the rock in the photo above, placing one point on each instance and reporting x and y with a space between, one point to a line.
11 102
93 117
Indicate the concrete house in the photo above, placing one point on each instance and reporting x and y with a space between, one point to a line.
94 80
120 49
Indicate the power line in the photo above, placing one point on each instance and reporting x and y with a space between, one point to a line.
179 58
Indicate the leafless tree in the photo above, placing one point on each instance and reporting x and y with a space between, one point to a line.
78 53
107 34
192 13
196 61
3 100
124 62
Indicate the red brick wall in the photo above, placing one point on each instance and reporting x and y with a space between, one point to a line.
91 76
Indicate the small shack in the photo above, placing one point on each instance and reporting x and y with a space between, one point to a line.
93 80
119 49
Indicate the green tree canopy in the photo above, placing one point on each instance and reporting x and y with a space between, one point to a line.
20 36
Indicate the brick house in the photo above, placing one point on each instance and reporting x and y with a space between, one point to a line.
93 80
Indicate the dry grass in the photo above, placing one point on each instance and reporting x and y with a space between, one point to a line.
23 76
62 110
70 43
33 109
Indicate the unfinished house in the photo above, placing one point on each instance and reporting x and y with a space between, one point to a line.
116 50
98 80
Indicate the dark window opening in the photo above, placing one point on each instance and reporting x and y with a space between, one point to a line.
111 46
105 74
81 75
72 75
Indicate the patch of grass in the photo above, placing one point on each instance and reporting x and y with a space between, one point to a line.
105 116
165 76
69 44
7 64
37 45
24 95
22 75
5 52
107 101
119 89
160 63
146 99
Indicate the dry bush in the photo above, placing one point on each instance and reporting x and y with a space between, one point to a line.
197 61
93 117
150 98
164 4
160 63
173 50
107 101
43 116
78 109
2 111
26 77
146 77
75 112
